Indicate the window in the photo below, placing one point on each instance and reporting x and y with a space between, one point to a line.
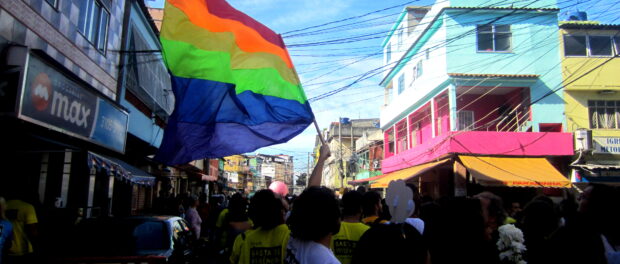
93 23
388 53
53 3
419 69
617 44
593 46
494 37
391 141
604 114
465 120
400 36
600 45
401 83
428 54
415 132
575 45
401 133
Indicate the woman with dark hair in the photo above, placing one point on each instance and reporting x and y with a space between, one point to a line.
266 243
315 218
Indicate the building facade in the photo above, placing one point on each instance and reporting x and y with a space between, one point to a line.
343 164
592 84
469 79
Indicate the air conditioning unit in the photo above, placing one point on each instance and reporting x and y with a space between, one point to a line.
583 139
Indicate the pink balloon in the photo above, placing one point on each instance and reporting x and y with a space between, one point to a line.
279 188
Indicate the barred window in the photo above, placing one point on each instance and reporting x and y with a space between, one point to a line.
604 114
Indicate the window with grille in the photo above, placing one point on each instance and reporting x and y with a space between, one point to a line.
465 120
401 83
604 114
494 38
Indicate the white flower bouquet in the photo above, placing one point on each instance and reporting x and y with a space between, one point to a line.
511 244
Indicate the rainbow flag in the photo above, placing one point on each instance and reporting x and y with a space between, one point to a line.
235 86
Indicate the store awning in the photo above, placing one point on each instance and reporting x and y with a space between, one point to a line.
121 169
366 176
406 174
365 180
514 172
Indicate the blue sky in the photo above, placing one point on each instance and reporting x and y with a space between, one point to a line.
327 67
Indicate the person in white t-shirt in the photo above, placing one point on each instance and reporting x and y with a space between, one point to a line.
314 219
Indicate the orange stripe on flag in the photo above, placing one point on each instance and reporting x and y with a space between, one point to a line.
245 37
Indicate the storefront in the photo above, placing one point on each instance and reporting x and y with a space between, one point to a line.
64 141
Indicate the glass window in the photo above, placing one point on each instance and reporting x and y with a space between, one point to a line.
617 44
149 235
600 45
93 22
604 114
103 31
494 37
575 45
401 83
388 53
419 69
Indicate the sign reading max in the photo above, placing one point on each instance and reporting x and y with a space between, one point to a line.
54 100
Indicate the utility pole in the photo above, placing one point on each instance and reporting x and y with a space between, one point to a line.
340 169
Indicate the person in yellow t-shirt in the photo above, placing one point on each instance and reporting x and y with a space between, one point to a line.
351 229
24 219
267 242
371 205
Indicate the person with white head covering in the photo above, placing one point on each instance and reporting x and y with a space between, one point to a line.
396 240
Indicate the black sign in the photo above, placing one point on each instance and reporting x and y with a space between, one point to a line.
52 99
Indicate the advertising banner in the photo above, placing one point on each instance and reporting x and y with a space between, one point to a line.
51 99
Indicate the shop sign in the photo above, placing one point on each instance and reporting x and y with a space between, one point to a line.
233 177
610 145
268 170
51 99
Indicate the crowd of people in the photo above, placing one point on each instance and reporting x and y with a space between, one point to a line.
364 226
403 227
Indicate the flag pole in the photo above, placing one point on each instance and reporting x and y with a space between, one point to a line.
318 130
